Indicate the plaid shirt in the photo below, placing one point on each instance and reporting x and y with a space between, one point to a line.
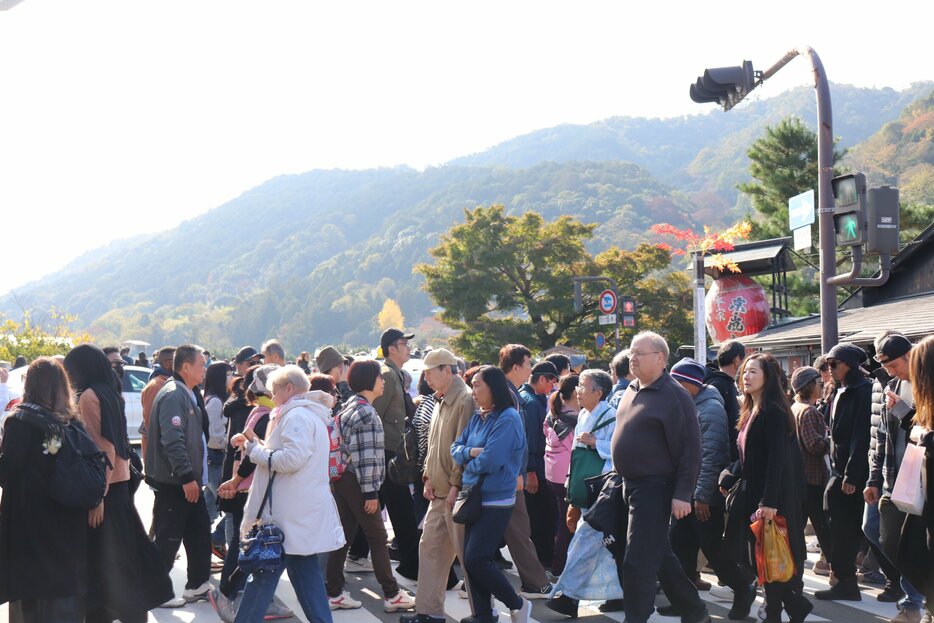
362 441
814 442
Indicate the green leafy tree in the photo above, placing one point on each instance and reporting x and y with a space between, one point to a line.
502 278
783 164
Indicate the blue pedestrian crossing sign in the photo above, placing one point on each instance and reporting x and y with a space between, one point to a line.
801 210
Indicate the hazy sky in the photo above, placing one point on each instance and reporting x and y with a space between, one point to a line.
122 117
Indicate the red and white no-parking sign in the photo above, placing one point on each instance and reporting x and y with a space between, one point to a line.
607 301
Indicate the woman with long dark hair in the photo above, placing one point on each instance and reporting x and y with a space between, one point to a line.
772 469
43 545
492 447
126 578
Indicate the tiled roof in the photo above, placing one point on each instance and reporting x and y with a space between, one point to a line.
913 317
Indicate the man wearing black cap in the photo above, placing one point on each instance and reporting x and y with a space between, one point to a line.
246 357
533 395
393 407
849 462
894 404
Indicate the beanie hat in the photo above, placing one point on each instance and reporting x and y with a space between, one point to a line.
850 354
690 371
802 377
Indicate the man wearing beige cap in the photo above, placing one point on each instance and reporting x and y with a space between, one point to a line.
442 539
331 362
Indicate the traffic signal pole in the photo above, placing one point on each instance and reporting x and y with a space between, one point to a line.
825 200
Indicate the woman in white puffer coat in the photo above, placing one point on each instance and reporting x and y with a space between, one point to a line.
301 504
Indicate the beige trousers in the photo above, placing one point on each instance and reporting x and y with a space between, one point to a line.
442 540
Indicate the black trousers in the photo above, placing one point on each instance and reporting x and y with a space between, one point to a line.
648 553
176 521
541 508
690 534
481 542
845 517
814 510
398 502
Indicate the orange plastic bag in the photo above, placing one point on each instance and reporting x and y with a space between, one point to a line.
773 550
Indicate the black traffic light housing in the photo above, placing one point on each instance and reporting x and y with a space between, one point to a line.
726 86
627 312
849 214
882 223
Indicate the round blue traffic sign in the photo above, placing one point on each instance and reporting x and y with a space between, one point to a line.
608 301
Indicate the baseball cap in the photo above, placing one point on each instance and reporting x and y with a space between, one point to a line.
440 357
390 336
246 353
328 359
892 347
545 368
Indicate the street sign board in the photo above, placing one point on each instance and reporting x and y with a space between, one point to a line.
599 340
607 319
801 210
608 302
803 238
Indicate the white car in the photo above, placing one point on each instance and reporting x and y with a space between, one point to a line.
134 380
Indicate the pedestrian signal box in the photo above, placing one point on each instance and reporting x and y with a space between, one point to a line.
849 219
627 311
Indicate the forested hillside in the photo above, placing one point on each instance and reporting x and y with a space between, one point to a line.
313 257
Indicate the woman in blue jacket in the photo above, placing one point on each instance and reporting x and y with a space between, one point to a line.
492 446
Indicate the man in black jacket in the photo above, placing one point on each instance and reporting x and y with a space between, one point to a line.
849 457
730 357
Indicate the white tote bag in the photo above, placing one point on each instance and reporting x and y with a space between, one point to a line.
908 494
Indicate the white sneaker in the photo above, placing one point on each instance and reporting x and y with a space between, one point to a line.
343 602
403 600
523 614
723 593
813 546
175 602
192 595
358 565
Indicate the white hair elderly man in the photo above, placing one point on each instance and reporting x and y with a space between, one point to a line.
656 449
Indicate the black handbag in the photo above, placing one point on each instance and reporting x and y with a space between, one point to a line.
136 470
469 503
261 550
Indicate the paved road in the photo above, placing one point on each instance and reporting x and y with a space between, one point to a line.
365 588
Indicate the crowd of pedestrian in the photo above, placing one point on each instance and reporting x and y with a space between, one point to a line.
604 485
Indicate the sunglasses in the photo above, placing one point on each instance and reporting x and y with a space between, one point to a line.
833 365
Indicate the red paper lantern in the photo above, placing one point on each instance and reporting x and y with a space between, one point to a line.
736 306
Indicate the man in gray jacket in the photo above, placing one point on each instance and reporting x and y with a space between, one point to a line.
175 469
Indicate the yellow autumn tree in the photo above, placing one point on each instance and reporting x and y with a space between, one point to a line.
390 316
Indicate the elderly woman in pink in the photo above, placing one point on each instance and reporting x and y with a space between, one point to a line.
559 438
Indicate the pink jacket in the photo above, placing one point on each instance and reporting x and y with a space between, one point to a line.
558 451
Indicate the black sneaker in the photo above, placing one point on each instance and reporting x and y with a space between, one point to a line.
742 602
562 605
420 618
612 605
669 611
500 561
536 593
845 590
890 595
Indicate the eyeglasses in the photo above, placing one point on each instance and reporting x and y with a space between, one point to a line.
580 389
635 355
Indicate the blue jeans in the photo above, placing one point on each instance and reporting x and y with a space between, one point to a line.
481 542
306 578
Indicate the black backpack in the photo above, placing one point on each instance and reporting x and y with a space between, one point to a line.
79 477
403 468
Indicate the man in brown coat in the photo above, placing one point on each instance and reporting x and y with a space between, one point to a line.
442 539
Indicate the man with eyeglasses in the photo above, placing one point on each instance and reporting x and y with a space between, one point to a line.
656 449
393 407
893 408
